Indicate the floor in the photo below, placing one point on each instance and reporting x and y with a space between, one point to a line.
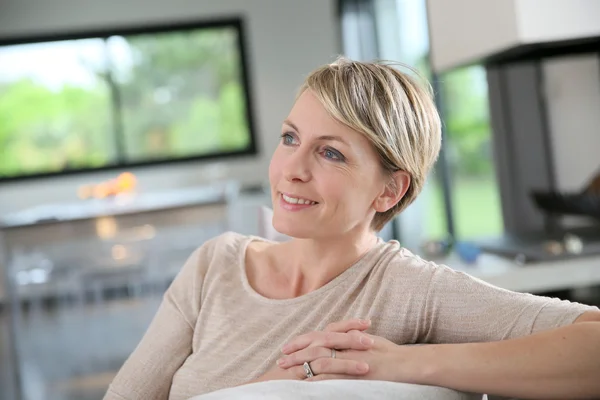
73 332
72 351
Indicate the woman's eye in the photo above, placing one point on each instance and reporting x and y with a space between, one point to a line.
333 155
287 139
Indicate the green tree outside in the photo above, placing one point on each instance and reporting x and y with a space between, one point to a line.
181 95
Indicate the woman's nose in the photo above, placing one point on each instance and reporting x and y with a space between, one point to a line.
297 167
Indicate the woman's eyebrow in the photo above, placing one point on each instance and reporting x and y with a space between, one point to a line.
323 137
333 137
290 123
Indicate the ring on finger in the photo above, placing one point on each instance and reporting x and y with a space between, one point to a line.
332 353
307 370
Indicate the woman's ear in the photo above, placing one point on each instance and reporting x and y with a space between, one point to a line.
394 191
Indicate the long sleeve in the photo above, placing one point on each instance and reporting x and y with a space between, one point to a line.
460 308
148 372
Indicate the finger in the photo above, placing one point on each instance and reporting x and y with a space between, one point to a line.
348 325
345 326
300 342
324 377
298 372
304 355
320 361
339 366
353 340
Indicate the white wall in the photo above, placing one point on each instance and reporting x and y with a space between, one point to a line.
286 40
549 20
463 31
572 88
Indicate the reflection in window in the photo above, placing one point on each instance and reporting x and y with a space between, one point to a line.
122 100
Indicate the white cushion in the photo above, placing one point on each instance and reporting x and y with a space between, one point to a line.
337 389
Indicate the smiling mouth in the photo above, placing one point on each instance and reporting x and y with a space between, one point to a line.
296 200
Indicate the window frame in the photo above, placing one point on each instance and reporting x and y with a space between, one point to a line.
235 22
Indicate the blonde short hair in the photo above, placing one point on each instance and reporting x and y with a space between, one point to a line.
394 112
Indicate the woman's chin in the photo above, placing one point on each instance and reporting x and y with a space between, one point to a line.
293 229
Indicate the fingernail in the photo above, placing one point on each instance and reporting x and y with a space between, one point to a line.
280 362
362 368
366 341
365 321
285 348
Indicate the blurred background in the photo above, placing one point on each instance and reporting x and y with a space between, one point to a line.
132 132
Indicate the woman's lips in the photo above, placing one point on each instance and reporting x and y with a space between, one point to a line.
293 203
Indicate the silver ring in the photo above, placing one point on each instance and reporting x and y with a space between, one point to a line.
307 370
332 353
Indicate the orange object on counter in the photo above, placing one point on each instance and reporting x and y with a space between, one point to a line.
124 183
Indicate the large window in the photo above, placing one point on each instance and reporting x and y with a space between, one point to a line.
123 98
461 198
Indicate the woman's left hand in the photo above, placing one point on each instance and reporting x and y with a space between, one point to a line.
387 361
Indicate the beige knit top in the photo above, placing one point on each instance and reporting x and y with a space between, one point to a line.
213 330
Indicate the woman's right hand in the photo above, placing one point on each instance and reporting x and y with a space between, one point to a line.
353 328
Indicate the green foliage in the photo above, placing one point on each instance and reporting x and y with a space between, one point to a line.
234 131
200 130
467 120
43 130
180 96
213 126
477 209
180 102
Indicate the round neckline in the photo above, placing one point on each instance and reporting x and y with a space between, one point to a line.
350 271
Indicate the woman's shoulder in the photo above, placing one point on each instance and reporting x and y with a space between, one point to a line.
230 246
398 259
402 262
220 250
225 244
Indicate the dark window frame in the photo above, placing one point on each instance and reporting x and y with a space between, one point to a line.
236 22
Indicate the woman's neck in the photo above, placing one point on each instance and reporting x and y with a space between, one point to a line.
309 264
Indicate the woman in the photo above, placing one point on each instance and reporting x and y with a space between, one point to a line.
355 151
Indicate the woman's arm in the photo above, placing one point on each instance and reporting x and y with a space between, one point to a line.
462 309
495 341
556 364
148 372
561 363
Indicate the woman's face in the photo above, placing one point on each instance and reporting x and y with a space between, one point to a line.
325 178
